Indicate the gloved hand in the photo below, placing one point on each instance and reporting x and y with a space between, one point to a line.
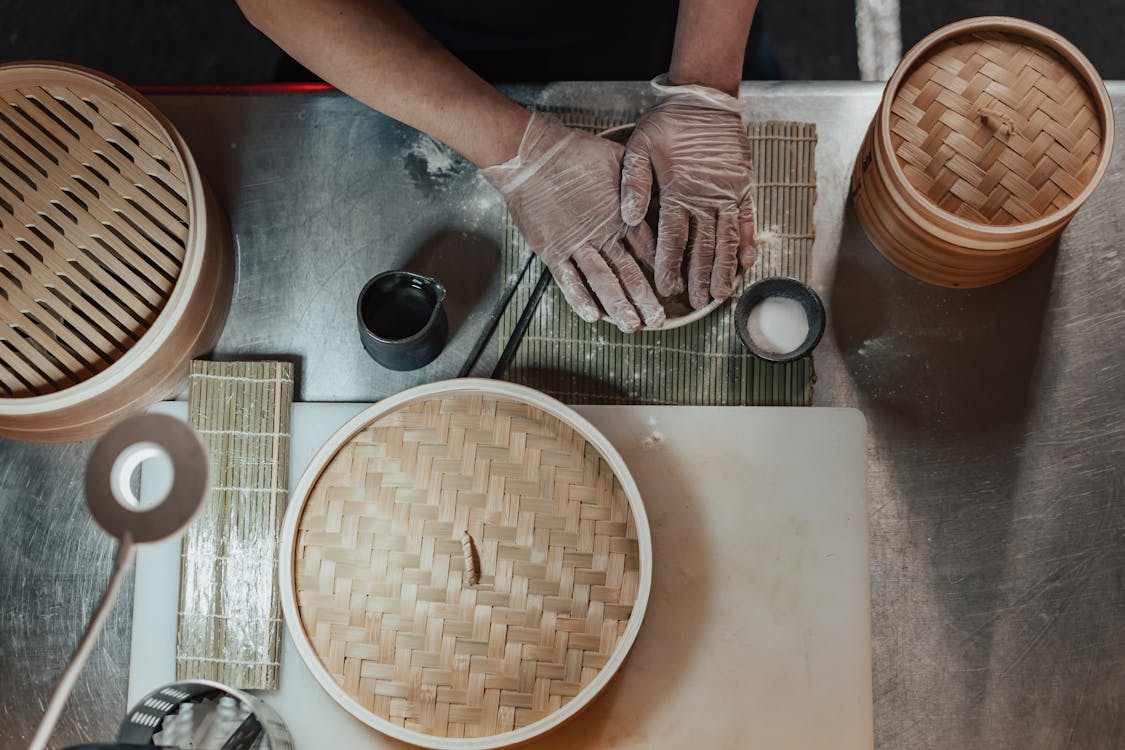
694 139
563 191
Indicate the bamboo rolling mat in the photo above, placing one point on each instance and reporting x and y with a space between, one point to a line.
401 620
700 364
230 612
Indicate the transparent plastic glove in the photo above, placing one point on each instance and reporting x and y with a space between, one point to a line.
695 142
563 191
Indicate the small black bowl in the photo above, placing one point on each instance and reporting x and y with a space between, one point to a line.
781 286
401 317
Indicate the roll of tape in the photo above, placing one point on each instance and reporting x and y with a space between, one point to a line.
115 457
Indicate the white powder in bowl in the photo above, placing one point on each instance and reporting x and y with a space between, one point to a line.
778 324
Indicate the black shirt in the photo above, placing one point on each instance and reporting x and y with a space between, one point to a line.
536 40
508 41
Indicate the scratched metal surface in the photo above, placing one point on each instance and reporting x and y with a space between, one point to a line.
997 446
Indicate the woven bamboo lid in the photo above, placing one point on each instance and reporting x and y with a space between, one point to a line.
95 214
465 564
999 122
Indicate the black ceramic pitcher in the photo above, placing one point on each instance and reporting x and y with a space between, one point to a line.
402 321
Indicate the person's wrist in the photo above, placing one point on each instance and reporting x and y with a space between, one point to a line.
694 94
500 141
541 139
724 79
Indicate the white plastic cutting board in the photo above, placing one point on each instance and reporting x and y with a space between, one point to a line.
758 630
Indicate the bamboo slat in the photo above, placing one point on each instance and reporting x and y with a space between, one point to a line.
464 565
991 134
114 266
702 363
230 617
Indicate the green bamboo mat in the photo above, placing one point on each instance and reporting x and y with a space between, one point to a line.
230 611
700 364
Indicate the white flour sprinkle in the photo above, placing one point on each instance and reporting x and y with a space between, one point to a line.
438 158
766 240
654 437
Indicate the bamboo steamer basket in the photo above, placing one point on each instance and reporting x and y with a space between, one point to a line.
115 263
990 135
377 574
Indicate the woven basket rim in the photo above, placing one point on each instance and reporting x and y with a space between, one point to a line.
957 246
1082 68
180 295
917 270
288 547
930 218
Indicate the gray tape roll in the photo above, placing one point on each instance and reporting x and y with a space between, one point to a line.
106 474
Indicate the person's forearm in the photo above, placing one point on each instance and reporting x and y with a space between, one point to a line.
374 51
711 43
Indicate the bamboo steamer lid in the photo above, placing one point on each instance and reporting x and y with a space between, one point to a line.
115 268
379 583
990 136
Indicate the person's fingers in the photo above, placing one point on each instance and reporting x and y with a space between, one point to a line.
607 289
636 180
671 239
572 287
701 259
725 268
747 245
643 243
635 284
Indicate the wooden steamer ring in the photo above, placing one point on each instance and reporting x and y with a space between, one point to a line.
990 135
453 641
115 262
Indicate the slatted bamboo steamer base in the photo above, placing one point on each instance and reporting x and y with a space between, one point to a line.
115 265
924 270
990 136
381 603
932 260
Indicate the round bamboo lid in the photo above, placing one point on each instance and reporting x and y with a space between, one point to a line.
999 122
95 209
465 564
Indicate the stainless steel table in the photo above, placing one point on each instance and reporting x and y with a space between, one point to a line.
997 444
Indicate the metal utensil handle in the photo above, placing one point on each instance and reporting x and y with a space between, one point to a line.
521 325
